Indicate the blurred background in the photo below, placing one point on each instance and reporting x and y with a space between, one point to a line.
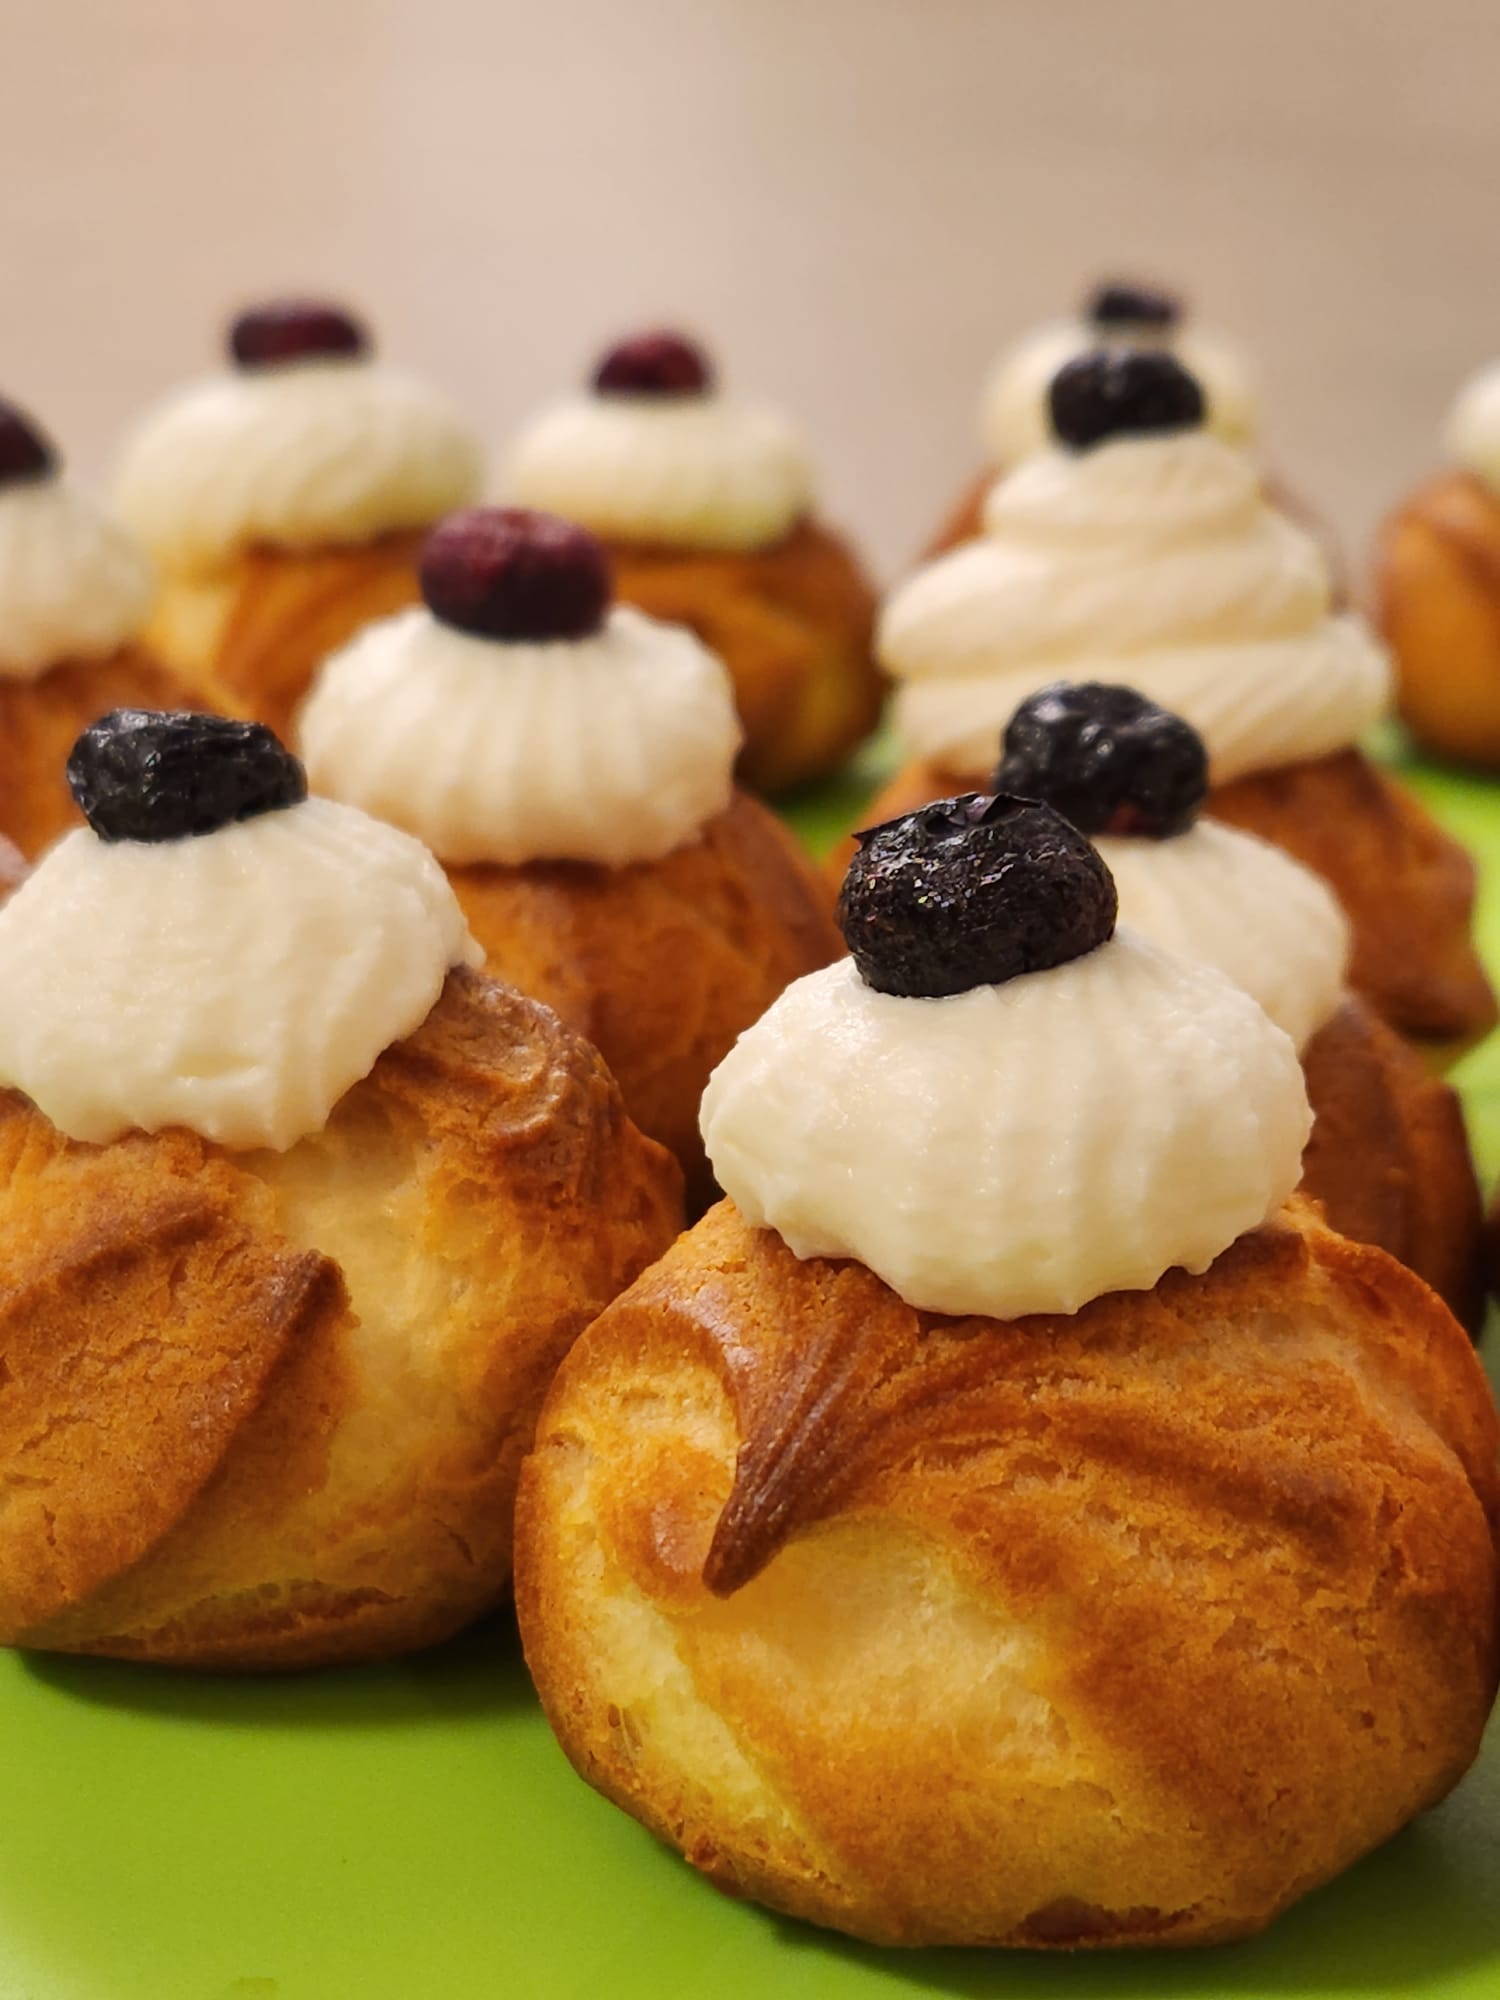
855 201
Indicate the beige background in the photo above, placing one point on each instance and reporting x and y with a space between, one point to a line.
856 200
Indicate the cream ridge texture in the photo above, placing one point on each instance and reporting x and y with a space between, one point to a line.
1151 561
613 748
73 584
1473 430
316 453
236 983
1015 419
693 472
1013 1149
1243 907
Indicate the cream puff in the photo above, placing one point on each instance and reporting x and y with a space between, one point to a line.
1014 420
285 500
570 761
1007 1520
706 506
75 591
1141 550
1437 579
1389 1155
298 1214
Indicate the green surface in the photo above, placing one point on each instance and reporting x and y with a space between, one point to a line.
412 1833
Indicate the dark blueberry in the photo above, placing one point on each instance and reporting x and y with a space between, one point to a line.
1122 391
507 573
1106 758
25 452
654 364
140 774
969 892
294 330
1116 305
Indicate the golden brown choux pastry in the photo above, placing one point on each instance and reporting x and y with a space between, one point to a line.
1389 1157
1008 1519
1437 581
705 507
533 736
662 964
266 1393
1127 1628
285 502
74 593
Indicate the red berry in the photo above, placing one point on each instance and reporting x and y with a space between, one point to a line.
508 573
25 451
293 330
654 364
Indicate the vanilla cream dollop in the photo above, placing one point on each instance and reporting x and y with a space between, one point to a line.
1473 431
237 983
1149 561
1245 908
1019 1148
73 584
1014 414
613 748
313 454
694 472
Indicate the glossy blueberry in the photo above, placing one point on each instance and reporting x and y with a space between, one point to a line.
1122 391
969 892
1106 758
1120 305
143 774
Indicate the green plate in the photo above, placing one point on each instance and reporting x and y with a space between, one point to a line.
412 1833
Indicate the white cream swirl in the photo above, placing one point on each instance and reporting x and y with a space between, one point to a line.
614 748
694 472
1473 429
73 584
1151 561
1243 907
1014 416
237 983
312 454
1019 1148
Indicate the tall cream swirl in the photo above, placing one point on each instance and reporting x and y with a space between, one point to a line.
695 472
613 748
1473 429
73 584
1020 1148
1244 908
1014 417
1151 561
312 454
237 983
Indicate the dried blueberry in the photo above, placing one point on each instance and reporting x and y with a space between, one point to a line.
1119 391
969 892
654 364
1106 758
508 573
141 774
285 330
1120 305
25 451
